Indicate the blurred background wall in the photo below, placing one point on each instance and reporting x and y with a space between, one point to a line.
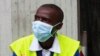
16 17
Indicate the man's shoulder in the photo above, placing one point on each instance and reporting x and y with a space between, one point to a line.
62 36
22 40
68 39
28 37
67 43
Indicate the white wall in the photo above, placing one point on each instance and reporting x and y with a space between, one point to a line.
16 17
5 27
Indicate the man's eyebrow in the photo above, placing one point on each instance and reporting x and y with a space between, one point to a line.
48 17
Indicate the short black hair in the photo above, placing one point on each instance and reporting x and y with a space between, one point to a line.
58 9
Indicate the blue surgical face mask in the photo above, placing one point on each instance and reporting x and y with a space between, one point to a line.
42 31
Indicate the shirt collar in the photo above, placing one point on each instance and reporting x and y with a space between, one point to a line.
35 46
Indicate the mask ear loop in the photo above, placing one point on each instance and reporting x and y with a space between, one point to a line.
55 26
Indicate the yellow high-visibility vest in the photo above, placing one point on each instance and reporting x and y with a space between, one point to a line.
68 46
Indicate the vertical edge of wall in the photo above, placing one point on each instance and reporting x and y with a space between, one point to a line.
5 27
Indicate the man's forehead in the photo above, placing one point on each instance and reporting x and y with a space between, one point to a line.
46 9
43 10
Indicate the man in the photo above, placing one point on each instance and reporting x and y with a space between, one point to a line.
45 41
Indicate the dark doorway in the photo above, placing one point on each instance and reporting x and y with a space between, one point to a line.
90 22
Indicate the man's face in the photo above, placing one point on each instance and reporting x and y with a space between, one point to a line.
47 15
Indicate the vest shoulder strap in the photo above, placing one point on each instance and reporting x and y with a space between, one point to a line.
68 46
20 44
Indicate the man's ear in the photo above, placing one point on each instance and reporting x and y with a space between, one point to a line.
59 26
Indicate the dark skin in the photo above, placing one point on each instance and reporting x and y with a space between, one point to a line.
49 16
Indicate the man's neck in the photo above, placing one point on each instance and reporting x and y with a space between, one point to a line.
48 44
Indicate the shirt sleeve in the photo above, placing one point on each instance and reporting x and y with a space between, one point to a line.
77 53
14 54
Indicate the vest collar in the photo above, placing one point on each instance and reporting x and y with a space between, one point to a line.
35 46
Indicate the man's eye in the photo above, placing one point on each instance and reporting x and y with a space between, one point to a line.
43 19
37 18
